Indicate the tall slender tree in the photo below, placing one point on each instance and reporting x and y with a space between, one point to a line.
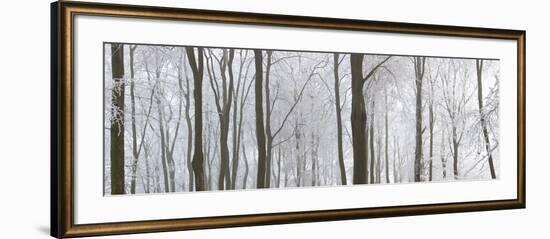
431 120
260 129
359 116
223 99
338 106
245 177
197 67
268 111
117 120
187 96
483 121
419 67
372 170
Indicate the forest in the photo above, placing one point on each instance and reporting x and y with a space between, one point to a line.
189 118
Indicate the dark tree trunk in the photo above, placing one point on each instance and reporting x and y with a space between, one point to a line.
245 177
359 116
268 134
371 147
191 182
419 65
223 182
456 145
368 171
135 153
236 131
186 91
227 113
358 120
117 120
223 100
235 138
198 158
343 179
260 130
171 171
479 68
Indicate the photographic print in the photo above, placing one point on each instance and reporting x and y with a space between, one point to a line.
191 118
165 111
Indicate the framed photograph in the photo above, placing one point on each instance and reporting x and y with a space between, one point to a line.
169 119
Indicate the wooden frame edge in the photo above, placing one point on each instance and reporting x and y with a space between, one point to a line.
54 126
283 218
62 203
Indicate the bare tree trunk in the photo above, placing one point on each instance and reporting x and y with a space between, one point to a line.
260 130
117 120
419 65
235 131
186 91
198 73
358 120
479 68
368 170
269 136
223 100
245 177
235 160
359 116
189 136
371 146
456 145
135 153
337 103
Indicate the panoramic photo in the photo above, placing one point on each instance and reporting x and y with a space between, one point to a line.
189 118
